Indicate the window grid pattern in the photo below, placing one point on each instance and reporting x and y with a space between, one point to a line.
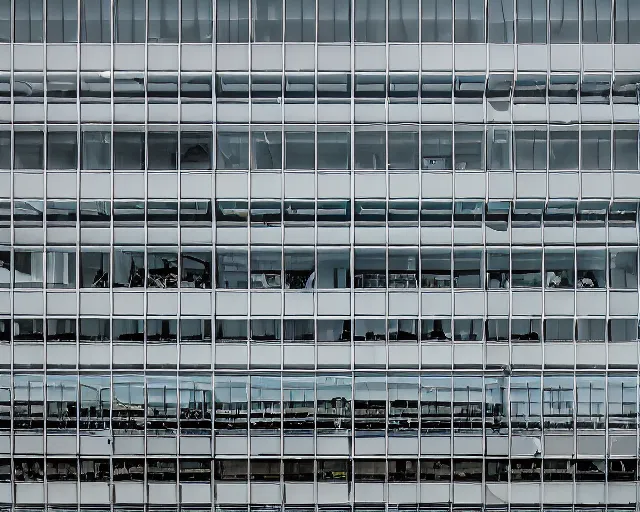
335 256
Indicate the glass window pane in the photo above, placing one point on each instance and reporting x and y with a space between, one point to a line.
563 149
95 21
404 151
623 269
469 149
163 21
197 21
128 404
232 25
370 149
501 21
28 23
196 150
28 402
299 150
370 21
300 21
437 21
267 21
62 21
403 21
128 151
163 149
334 21
558 403
130 21
94 269
591 268
627 21
96 150
596 21
232 269
61 269
499 148
530 148
559 268
334 149
333 268
532 21
625 148
95 396
62 150
437 147
28 268
622 401
233 149
95 213
28 150
62 402
564 21
5 21
5 149
596 148
469 21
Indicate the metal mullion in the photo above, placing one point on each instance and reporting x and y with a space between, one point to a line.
179 251
112 488
352 239
214 237
146 243
351 459
282 290
419 260
315 237
12 464
45 159
249 209
78 235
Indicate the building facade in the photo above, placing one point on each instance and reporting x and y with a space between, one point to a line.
333 256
